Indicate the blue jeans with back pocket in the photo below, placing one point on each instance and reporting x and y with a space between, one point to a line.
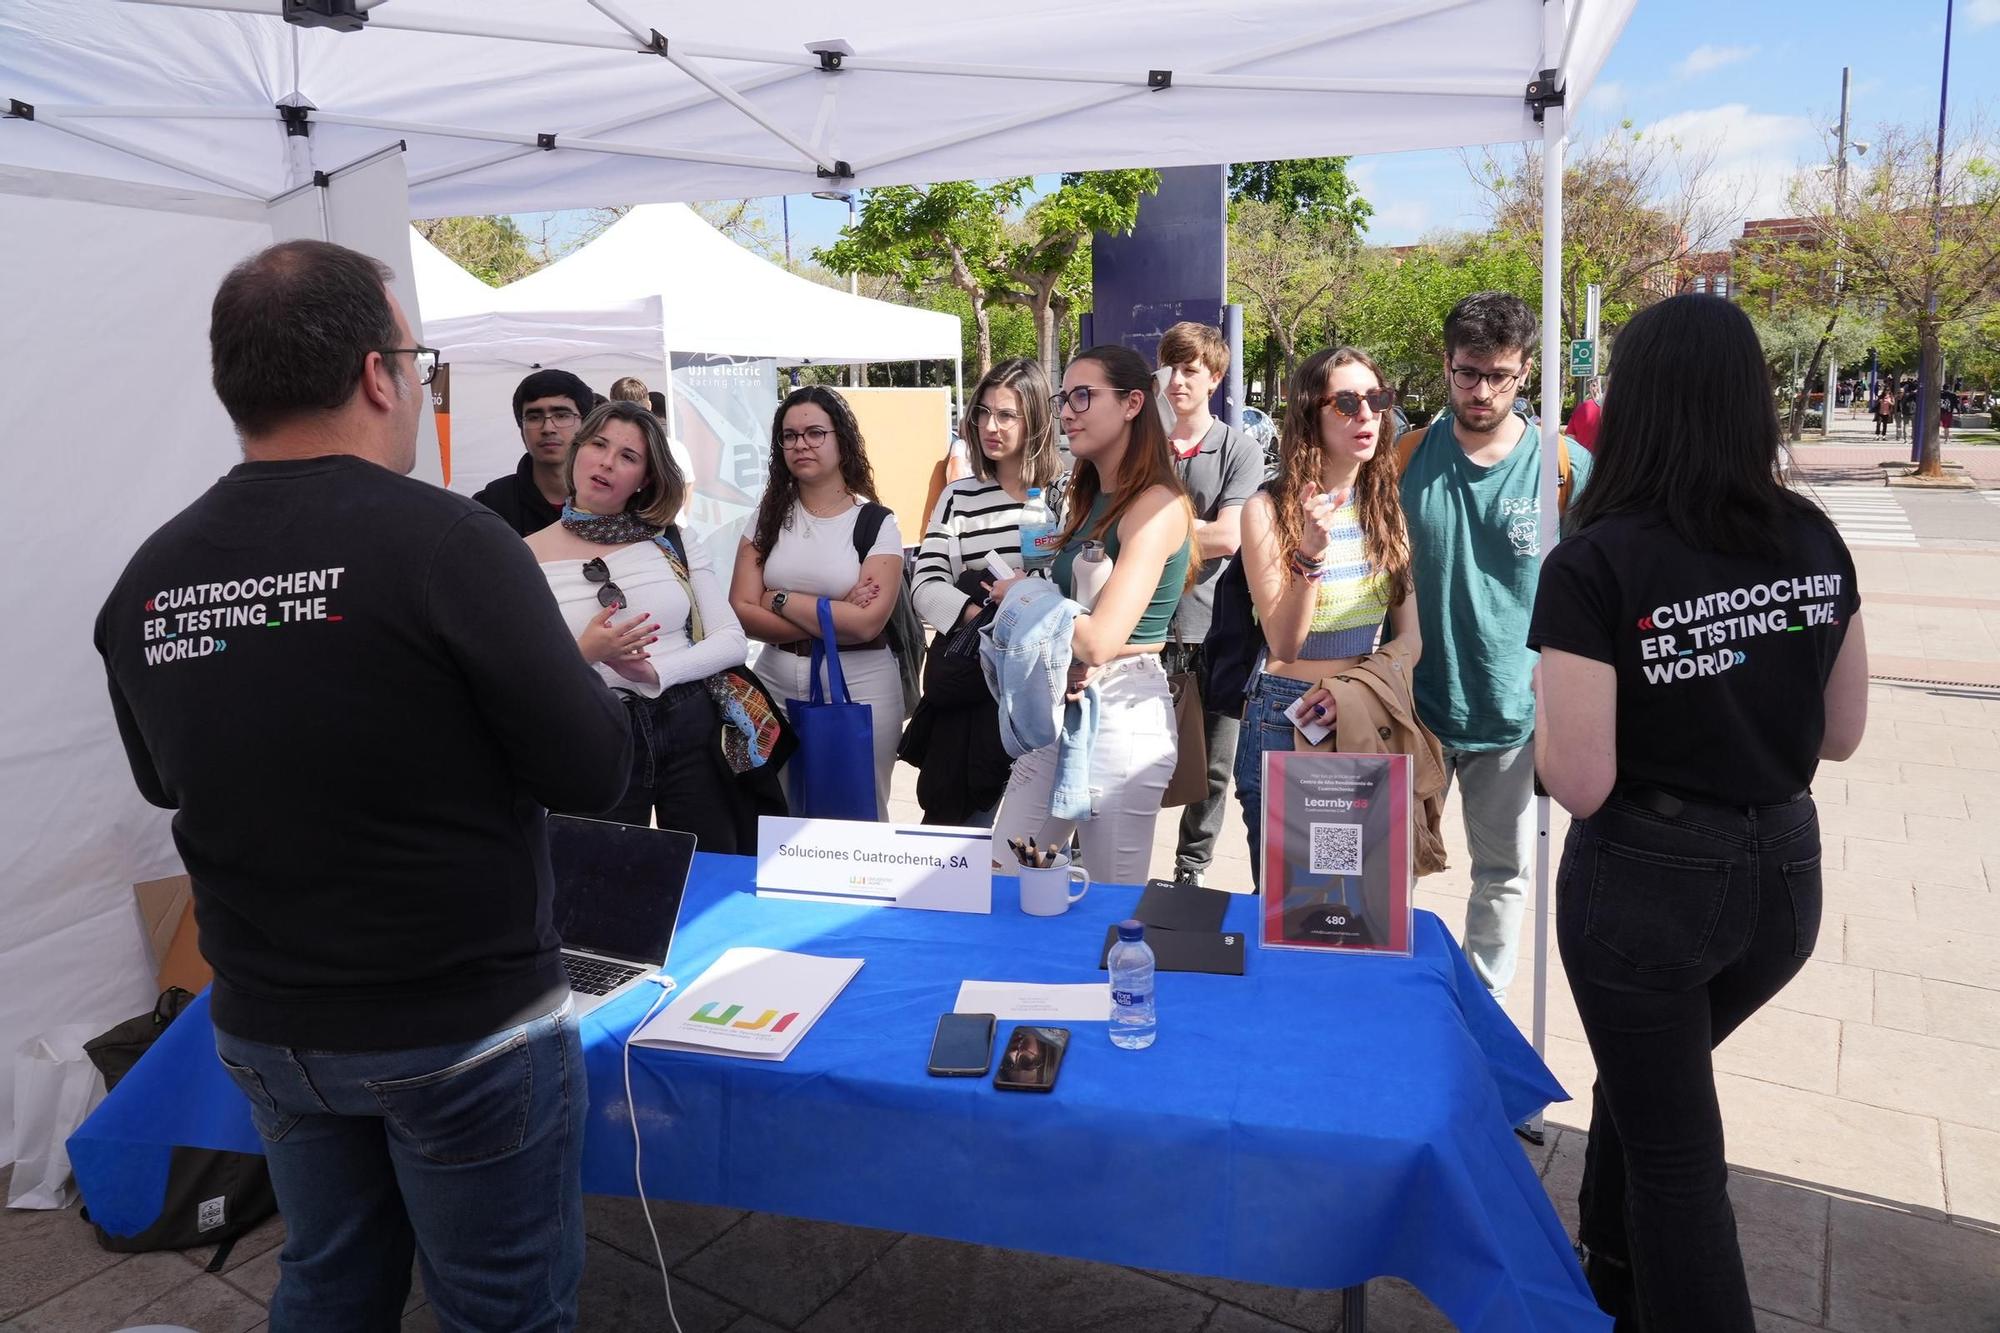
470 1156
1676 925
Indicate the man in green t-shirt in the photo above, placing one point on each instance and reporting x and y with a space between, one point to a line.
1471 492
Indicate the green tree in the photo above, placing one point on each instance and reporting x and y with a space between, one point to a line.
1934 268
1316 190
1401 297
492 248
1040 271
951 233
1286 273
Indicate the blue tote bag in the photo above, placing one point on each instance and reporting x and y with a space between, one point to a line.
832 774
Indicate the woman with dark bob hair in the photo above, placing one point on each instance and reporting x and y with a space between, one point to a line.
1702 651
615 550
802 551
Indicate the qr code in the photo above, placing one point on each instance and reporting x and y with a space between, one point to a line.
1336 849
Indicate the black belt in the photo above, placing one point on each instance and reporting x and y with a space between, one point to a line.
1669 806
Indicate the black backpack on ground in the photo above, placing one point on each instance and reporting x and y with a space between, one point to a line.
213 1197
905 631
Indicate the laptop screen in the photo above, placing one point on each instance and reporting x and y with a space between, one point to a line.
618 887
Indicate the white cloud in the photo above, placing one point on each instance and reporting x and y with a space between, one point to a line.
1984 13
1608 95
1755 154
1707 59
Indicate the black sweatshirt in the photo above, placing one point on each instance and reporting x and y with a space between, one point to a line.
358 694
519 500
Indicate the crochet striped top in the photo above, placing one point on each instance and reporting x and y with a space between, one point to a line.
1353 597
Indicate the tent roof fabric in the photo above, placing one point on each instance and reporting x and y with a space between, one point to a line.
514 105
703 293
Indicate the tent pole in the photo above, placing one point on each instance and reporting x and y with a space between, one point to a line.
117 144
1553 141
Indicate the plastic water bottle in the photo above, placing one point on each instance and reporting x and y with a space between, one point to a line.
1037 553
1133 1023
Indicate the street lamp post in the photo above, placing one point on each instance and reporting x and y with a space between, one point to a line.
1928 356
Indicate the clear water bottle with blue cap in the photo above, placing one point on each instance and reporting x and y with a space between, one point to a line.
1133 1022
1037 533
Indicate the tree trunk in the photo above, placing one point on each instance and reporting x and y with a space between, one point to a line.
1926 415
1804 394
983 323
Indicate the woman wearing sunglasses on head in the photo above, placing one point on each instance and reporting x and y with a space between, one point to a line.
1702 651
803 549
954 736
1326 556
637 603
1125 492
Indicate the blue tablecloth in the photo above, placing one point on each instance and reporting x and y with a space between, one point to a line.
1313 1123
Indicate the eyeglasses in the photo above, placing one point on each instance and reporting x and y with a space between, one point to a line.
427 360
1497 380
555 416
812 437
1078 399
1000 417
1348 402
611 595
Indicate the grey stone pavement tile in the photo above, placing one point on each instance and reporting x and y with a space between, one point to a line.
784 1268
620 1292
923 1284
684 1227
1889 1270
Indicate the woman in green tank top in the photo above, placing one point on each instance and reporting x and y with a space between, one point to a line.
1125 492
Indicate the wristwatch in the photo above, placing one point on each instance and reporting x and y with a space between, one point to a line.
778 600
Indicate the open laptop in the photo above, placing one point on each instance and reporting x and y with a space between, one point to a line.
618 897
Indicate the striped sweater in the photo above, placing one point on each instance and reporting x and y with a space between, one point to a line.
973 517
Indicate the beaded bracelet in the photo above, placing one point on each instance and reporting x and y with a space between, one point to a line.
1312 571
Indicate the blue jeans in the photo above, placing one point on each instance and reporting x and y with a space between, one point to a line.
470 1155
1265 727
1675 926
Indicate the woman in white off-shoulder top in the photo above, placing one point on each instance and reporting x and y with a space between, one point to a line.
615 552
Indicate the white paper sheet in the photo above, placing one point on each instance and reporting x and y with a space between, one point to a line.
1089 1002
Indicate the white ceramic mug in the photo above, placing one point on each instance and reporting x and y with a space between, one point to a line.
1045 892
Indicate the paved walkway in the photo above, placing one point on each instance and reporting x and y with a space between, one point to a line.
1862 1106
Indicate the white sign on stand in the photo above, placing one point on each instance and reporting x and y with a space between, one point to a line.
866 864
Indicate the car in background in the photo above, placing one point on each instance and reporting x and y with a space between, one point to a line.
1257 424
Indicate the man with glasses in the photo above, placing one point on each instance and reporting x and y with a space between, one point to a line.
548 407
357 696
1472 493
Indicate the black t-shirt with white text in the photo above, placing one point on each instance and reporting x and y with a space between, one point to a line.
1722 660
358 697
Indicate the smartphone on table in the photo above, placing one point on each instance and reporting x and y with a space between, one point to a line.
1033 1057
963 1046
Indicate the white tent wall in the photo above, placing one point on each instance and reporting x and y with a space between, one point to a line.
115 429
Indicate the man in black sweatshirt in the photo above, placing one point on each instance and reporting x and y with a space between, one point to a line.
357 695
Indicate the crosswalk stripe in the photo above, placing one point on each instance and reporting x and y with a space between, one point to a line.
1871 517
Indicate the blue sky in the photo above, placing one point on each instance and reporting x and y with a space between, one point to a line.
1759 79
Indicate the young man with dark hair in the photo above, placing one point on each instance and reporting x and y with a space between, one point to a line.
356 694
548 407
1221 468
1472 493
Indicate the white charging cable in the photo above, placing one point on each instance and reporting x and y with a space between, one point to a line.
666 985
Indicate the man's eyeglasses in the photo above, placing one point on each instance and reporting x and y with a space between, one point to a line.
1078 399
427 360
1497 380
814 437
1000 417
555 416
595 571
1348 402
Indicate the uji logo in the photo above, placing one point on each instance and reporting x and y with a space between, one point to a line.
707 1014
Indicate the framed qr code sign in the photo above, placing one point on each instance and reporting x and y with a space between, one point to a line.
1338 858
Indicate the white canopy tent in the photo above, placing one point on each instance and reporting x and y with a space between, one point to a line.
510 105
660 280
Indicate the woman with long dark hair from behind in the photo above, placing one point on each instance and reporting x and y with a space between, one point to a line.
1702 651
802 549
1326 556
1125 492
